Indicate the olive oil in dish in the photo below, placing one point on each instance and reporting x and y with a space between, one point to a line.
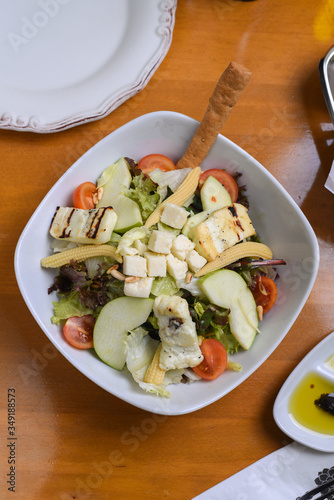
302 405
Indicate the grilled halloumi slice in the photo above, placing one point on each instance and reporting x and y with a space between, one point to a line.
83 226
221 230
180 348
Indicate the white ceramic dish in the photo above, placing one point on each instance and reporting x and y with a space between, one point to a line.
64 63
314 361
277 218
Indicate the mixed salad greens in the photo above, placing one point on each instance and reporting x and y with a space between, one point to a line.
153 295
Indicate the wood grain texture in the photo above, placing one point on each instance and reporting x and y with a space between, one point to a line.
75 441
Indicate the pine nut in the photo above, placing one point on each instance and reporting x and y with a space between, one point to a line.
116 274
112 268
132 279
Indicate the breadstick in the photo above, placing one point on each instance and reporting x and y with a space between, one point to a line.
225 95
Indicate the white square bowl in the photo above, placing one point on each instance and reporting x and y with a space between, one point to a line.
276 217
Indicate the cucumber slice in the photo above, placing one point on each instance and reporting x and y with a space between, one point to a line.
114 322
214 195
226 288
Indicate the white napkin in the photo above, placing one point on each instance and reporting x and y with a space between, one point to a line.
285 474
330 180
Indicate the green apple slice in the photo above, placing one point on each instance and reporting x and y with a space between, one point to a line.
243 319
115 320
226 288
194 220
128 214
115 180
214 195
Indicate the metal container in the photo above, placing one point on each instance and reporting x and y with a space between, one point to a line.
326 72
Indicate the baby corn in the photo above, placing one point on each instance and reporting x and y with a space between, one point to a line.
240 251
181 195
154 374
80 254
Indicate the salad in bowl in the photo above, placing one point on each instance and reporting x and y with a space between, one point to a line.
161 271
277 220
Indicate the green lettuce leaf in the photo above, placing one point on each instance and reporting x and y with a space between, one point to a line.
153 320
199 308
225 336
68 307
171 178
212 322
128 238
144 193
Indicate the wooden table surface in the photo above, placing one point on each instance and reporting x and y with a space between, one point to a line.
76 441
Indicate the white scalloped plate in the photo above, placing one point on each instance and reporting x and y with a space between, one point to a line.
66 62
314 361
278 220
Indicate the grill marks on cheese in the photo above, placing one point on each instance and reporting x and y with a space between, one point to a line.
221 230
83 226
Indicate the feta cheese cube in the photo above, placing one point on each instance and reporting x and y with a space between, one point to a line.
140 246
181 246
135 265
174 216
128 251
141 288
176 268
161 241
156 264
195 261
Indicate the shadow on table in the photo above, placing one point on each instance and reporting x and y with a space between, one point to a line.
318 205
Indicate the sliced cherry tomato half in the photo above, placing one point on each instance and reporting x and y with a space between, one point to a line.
264 291
215 359
78 331
153 161
83 196
224 178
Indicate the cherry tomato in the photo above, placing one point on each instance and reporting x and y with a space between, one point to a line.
78 331
153 161
264 291
224 178
215 359
83 196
